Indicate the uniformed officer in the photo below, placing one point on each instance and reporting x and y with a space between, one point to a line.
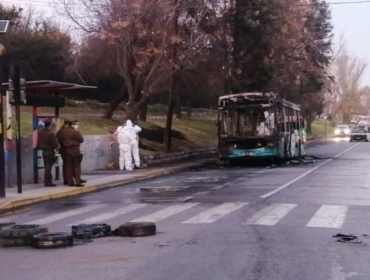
47 142
72 142
62 149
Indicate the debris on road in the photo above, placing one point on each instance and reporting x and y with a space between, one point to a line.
20 235
347 238
2 225
158 244
318 157
166 199
163 189
87 231
304 160
208 166
52 240
138 229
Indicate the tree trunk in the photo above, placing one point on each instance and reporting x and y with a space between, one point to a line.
120 97
188 110
309 120
178 107
309 127
134 112
171 101
144 112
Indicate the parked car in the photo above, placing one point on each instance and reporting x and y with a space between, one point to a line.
358 134
342 131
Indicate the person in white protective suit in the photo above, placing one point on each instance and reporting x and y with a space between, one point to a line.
128 140
125 139
135 145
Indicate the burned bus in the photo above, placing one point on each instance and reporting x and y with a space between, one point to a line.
259 125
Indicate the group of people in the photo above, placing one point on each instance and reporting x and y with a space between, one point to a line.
68 141
128 140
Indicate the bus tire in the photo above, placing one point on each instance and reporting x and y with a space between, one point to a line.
52 240
136 229
14 242
21 231
20 235
91 231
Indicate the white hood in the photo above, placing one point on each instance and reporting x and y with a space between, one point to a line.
129 123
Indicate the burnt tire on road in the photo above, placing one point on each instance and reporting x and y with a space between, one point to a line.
136 229
20 235
52 240
85 231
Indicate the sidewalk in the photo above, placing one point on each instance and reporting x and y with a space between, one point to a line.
34 193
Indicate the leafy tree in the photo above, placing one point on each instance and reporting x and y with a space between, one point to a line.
38 45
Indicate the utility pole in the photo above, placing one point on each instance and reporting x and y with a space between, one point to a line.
3 28
17 98
2 150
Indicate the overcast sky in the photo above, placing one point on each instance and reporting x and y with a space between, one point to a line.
353 22
350 20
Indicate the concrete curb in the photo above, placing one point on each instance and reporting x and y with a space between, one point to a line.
168 158
88 189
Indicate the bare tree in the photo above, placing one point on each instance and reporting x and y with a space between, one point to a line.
348 72
141 34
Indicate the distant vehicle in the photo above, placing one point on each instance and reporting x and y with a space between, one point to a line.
358 134
342 131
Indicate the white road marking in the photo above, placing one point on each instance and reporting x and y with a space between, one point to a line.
57 217
201 193
271 215
166 212
279 189
329 216
215 213
113 214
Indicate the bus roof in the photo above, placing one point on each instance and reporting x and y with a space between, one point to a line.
258 95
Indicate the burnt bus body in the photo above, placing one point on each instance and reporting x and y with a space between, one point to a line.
259 125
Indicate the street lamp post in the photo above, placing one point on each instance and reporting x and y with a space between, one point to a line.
3 28
325 125
2 150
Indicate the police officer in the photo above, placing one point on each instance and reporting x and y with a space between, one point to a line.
72 142
62 149
47 142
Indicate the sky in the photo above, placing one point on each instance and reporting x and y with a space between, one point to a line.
351 20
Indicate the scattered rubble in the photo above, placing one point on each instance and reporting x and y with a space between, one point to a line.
347 238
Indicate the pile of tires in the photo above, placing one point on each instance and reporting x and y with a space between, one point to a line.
39 237
20 235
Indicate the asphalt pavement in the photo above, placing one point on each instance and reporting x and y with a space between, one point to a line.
251 222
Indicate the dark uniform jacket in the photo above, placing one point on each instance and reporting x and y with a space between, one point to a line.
72 138
60 137
47 140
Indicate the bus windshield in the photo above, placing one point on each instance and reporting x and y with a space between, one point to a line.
246 122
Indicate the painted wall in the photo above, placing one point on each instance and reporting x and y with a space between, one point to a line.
98 151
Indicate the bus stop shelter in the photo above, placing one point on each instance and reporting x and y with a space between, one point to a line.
42 93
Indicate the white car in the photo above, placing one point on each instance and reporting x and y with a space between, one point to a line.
342 131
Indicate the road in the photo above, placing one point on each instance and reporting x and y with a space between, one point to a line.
250 223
